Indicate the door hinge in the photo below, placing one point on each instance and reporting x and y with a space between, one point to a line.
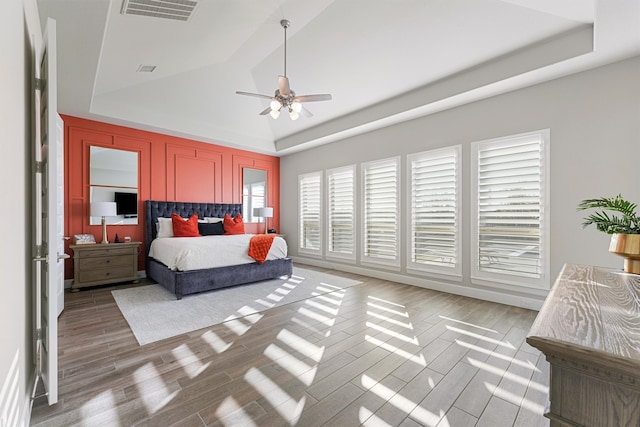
39 166
39 334
40 83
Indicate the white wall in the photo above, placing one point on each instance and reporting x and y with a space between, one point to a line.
594 118
18 21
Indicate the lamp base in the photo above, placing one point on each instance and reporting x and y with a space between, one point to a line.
105 240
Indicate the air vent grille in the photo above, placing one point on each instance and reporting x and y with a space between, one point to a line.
146 68
179 10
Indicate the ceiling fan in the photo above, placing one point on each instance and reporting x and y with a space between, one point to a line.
284 97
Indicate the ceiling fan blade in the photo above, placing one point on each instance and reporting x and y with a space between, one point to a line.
257 95
283 86
313 98
265 111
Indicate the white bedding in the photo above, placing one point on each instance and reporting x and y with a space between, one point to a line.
194 253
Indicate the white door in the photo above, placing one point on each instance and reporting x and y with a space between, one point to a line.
56 178
49 190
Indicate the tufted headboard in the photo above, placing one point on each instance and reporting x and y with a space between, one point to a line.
155 209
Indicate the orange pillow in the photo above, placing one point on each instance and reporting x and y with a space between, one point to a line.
185 228
233 225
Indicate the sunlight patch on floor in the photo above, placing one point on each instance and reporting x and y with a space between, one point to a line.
97 405
316 316
420 360
517 400
526 364
403 404
301 345
230 413
507 375
190 363
369 419
390 320
388 310
291 364
290 410
481 337
468 324
152 390
393 334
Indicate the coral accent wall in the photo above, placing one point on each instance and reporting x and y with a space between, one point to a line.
169 168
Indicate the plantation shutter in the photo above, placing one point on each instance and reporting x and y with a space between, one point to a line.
380 181
510 203
434 199
310 196
340 196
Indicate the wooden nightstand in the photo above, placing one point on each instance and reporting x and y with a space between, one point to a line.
98 264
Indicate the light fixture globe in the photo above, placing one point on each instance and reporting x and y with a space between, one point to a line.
274 113
275 105
293 114
296 106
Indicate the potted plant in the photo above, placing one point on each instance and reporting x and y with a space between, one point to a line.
624 229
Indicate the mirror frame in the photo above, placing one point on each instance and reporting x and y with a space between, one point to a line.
248 216
119 181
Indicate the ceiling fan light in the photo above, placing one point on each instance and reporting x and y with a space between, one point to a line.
293 114
274 113
275 105
296 106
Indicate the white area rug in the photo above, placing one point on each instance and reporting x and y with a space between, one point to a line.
154 313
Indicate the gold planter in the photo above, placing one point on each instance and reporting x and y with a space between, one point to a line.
628 247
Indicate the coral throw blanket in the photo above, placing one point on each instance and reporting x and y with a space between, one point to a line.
259 246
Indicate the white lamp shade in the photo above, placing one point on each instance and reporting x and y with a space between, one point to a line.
104 209
263 212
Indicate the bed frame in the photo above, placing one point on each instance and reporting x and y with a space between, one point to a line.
183 283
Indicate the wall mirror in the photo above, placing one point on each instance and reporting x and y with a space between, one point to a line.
113 177
254 191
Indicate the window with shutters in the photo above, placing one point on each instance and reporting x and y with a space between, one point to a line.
434 205
252 197
340 213
510 210
380 227
310 213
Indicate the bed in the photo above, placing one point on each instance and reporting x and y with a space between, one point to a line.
183 283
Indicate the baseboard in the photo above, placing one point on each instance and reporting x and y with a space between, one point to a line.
518 300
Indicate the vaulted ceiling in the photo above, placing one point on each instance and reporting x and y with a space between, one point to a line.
384 62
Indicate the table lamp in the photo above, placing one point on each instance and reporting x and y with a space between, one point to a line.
265 213
104 209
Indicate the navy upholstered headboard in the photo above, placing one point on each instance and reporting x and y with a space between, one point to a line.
155 209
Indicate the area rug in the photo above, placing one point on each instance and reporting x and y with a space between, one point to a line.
154 314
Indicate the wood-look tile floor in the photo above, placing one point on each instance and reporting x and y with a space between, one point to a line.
376 354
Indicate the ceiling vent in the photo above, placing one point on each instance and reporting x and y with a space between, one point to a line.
179 10
146 68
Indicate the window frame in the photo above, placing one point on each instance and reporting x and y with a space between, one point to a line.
301 248
438 271
329 254
367 259
503 280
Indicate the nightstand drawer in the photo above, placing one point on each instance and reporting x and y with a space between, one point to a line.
106 252
114 274
105 262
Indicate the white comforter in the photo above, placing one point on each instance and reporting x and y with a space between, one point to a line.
194 253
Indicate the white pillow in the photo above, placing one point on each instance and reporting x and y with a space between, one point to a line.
211 220
165 228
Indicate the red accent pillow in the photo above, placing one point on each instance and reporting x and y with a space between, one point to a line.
233 225
185 228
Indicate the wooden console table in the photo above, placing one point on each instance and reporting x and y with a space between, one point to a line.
589 330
